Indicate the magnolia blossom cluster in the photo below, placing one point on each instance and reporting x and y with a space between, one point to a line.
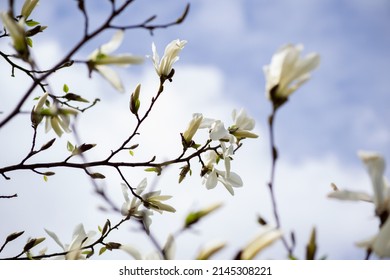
56 118
375 164
150 201
228 139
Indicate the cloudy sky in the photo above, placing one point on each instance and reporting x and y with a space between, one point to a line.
342 109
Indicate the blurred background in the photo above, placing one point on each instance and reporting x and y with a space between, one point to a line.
341 110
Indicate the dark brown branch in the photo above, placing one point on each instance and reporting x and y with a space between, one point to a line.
151 27
9 196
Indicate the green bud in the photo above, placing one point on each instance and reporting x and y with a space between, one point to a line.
134 100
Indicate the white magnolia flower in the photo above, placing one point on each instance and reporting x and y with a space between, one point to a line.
193 127
375 165
228 178
217 130
17 33
242 125
100 58
56 118
380 243
262 241
80 239
171 55
152 201
288 71
28 7
131 207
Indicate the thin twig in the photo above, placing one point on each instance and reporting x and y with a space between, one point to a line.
271 183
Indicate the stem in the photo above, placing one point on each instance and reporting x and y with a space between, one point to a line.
139 121
271 184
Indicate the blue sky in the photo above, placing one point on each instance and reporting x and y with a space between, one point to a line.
342 109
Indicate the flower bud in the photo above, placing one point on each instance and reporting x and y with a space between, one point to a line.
16 31
134 100
28 7
192 128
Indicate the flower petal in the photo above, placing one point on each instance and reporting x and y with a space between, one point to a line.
55 238
375 165
262 241
111 76
131 251
350 195
114 43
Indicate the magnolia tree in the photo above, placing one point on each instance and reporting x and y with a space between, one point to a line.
56 114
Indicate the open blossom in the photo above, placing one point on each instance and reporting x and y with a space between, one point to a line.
375 164
288 71
56 118
213 175
100 58
80 239
380 243
171 55
152 201
242 125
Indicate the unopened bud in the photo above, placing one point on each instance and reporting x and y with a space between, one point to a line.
28 7
134 100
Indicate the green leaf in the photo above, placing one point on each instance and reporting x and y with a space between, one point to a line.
102 250
70 147
65 88
88 253
131 152
31 23
29 42
45 178
154 169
